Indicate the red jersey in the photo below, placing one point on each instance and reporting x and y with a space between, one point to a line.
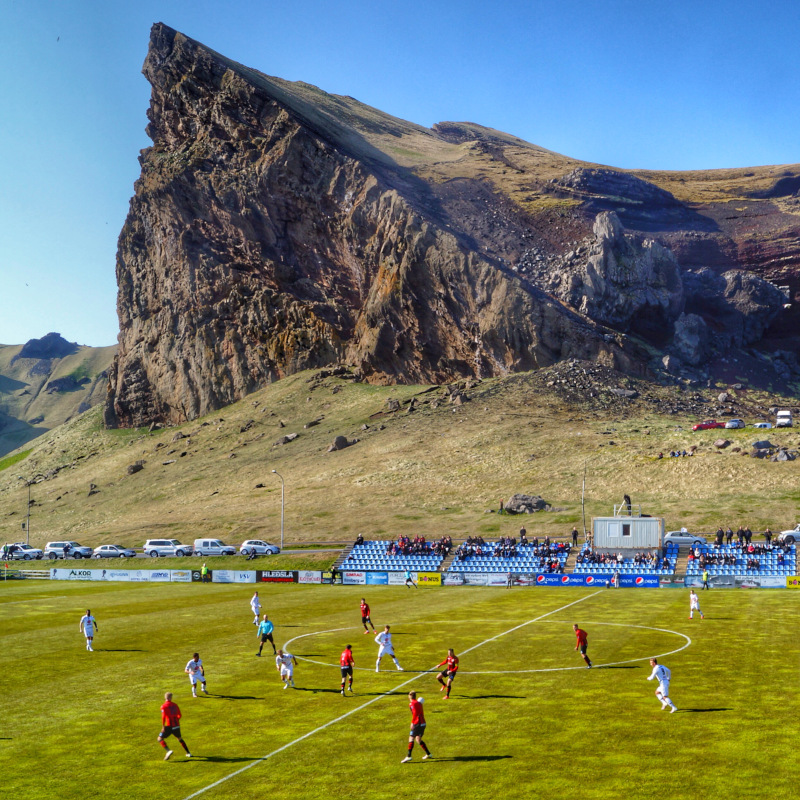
364 610
346 658
417 714
581 636
452 663
170 714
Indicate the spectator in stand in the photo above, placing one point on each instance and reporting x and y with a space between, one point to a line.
719 535
360 539
740 535
748 534
574 536
767 536
728 535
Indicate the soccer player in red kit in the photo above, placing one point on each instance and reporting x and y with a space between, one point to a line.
581 644
417 727
171 725
365 618
448 673
347 663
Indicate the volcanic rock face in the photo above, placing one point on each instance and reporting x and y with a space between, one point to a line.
276 228
264 238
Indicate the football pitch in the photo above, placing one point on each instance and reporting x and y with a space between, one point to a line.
526 717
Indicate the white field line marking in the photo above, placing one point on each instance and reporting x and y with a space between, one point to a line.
370 702
513 671
31 600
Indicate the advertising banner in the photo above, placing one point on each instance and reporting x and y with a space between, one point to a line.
740 581
399 578
116 575
377 578
497 579
197 576
475 578
353 578
181 575
160 575
57 574
139 575
276 576
309 576
223 576
524 580
244 576
429 579
793 582
453 579
551 580
327 577
640 581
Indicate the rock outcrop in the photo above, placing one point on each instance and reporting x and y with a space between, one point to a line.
267 236
275 228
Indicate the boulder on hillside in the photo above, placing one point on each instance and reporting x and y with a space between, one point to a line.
340 443
134 468
691 338
763 444
525 504
290 437
721 443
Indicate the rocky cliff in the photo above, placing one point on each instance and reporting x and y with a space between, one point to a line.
275 227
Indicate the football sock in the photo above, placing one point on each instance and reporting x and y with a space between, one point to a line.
424 747
377 665
163 744
410 747
183 745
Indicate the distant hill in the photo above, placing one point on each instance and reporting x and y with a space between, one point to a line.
46 382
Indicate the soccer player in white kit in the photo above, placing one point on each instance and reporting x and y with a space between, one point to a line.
196 673
285 664
255 606
88 626
384 640
694 605
662 674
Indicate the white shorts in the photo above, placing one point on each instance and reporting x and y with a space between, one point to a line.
88 633
256 610
385 651
197 676
663 688
287 672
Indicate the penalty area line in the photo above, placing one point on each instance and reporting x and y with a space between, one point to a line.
350 713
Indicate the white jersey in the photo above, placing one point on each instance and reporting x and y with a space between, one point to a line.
694 601
284 662
661 673
385 641
195 667
255 604
88 624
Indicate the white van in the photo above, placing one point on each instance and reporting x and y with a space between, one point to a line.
783 419
212 547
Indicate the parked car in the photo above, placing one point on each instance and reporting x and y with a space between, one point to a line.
762 424
166 547
707 424
67 550
114 551
783 419
19 551
259 547
735 423
789 537
684 537
212 547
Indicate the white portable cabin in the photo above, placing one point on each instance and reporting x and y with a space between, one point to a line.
627 529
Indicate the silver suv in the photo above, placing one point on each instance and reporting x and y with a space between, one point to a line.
166 547
55 550
789 537
684 537
22 552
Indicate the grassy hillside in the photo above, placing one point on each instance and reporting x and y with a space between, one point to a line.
28 409
436 470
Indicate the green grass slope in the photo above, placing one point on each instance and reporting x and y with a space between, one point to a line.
438 469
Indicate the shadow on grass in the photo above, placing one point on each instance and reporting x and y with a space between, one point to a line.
703 710
118 650
617 666
471 758
493 696
219 759
234 696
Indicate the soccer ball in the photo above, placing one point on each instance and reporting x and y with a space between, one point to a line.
421 699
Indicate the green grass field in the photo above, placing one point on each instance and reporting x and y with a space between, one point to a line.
525 719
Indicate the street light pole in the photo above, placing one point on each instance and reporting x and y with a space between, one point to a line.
28 521
283 489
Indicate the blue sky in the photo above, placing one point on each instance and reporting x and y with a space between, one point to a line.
678 85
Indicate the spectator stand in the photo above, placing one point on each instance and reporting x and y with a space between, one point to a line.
502 557
733 561
390 556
